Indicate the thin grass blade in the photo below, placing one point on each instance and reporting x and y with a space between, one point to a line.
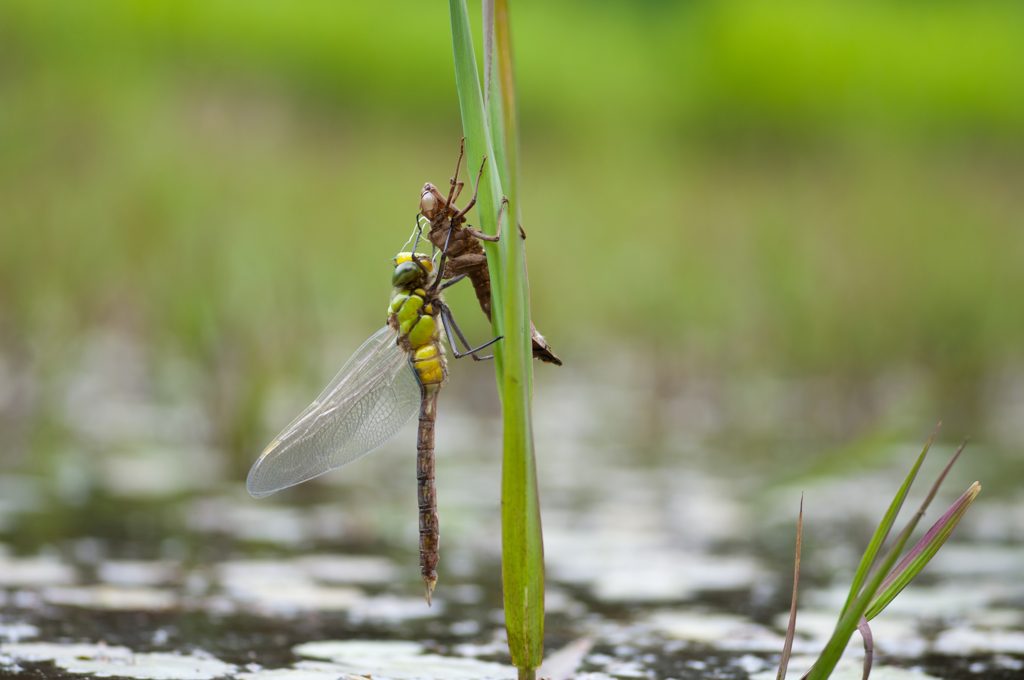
942 477
911 565
787 648
869 646
858 601
848 621
931 495
882 532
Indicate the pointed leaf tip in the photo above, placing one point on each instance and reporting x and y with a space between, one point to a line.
922 553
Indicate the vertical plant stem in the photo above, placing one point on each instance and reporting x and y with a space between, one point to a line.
478 146
492 99
522 545
787 647
522 549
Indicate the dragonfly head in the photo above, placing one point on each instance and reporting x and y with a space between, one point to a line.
411 270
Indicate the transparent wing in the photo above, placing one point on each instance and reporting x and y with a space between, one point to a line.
372 398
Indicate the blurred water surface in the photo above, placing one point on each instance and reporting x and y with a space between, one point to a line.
669 505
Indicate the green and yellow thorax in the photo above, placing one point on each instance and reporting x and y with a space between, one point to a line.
415 313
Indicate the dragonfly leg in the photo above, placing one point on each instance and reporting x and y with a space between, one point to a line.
415 243
487 237
416 231
444 260
456 192
459 215
419 232
482 236
456 189
433 248
449 323
451 282
444 256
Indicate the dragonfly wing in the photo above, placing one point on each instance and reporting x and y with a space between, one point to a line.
373 396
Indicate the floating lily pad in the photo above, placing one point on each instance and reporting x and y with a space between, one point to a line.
136 573
34 572
155 666
14 632
105 661
361 569
401 660
304 670
973 640
112 598
725 631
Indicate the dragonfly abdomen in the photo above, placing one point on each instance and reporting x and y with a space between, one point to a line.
426 492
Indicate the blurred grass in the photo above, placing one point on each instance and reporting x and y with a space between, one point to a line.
841 192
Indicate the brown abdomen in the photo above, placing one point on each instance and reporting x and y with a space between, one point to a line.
427 494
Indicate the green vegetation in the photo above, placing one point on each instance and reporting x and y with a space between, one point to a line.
759 185
492 136
773 185
869 596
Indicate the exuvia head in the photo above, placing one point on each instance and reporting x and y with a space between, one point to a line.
430 201
411 270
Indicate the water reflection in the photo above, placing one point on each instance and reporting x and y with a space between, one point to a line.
669 507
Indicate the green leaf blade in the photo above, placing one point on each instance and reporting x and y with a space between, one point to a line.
885 526
858 602
849 621
479 146
522 557
922 553
491 130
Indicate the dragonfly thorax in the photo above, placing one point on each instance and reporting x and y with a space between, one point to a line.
415 313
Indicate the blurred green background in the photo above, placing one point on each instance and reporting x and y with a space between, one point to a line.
786 186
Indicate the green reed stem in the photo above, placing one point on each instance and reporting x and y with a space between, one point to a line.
478 146
494 131
523 547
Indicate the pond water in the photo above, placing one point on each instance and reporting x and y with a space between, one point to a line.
129 547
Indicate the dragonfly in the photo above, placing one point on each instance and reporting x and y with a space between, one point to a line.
449 231
391 378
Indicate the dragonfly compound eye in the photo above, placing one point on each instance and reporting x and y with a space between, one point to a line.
405 274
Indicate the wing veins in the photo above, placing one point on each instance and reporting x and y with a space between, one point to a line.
369 400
